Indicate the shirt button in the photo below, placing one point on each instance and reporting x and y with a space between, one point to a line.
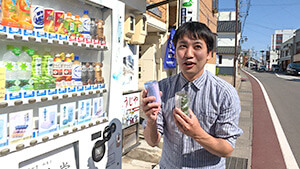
192 149
186 137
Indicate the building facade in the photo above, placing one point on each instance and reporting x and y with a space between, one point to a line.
226 42
280 37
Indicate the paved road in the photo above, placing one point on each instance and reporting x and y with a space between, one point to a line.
284 93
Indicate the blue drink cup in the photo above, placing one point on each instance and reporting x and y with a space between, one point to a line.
153 90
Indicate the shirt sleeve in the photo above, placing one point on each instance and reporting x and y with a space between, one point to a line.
227 122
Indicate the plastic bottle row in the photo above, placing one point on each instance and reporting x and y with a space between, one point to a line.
29 70
22 14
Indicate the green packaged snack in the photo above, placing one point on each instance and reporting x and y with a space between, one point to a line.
182 101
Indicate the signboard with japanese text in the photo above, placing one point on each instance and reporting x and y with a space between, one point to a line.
188 11
63 158
131 108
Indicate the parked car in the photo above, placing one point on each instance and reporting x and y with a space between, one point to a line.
262 68
293 69
275 68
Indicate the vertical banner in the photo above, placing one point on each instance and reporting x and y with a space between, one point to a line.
170 60
188 11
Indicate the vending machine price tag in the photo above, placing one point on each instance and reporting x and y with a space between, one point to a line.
80 88
15 95
88 87
62 90
52 91
28 32
71 89
28 94
95 87
41 93
14 31
101 86
3 29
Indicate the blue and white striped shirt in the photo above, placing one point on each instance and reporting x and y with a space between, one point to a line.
217 107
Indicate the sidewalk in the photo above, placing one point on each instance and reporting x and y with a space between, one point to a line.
147 157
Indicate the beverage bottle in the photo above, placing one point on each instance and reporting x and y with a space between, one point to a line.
9 13
67 69
11 74
84 73
86 22
47 64
49 20
78 29
100 30
24 67
59 17
93 29
91 73
36 72
98 73
69 24
57 69
24 14
36 65
76 72
47 70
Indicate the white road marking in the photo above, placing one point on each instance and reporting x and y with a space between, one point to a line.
287 77
288 155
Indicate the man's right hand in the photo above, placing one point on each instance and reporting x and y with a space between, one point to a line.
150 109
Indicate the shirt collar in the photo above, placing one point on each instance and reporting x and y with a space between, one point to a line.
197 82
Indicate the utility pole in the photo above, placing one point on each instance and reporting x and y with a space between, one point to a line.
236 42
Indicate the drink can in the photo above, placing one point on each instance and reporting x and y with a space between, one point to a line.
37 16
182 101
49 20
59 17
153 90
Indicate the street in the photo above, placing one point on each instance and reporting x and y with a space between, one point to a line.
284 96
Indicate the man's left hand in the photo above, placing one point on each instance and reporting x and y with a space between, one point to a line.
188 125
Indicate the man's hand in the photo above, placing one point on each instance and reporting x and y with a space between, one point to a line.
188 125
150 109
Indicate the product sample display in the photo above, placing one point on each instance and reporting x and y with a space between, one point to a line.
182 101
153 90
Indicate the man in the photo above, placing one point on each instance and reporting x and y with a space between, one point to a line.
208 134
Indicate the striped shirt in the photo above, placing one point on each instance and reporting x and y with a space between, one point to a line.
217 107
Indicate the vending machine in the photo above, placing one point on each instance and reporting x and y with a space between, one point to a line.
60 87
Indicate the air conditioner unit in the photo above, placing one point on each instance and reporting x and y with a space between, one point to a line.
129 26
140 32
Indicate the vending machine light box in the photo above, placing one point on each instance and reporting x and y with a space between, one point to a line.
52 118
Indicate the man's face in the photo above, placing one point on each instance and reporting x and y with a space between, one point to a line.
191 55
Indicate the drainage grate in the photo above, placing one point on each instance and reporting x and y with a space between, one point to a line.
236 163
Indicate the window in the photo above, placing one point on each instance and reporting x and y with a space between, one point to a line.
220 59
131 23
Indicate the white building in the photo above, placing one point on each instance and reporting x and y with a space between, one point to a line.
280 37
226 42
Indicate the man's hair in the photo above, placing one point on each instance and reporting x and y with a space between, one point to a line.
195 30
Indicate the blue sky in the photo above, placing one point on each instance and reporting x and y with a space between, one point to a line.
265 16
